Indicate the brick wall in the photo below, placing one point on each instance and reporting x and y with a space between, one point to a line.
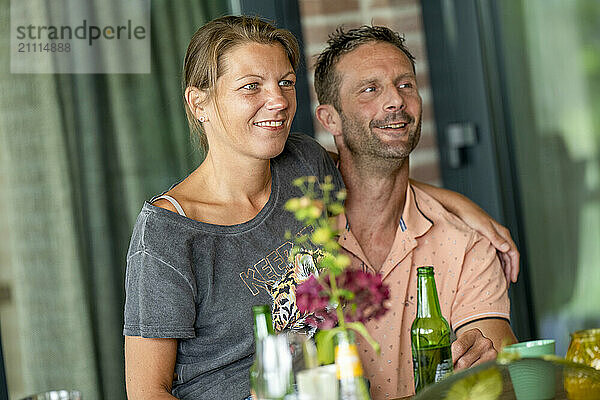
320 17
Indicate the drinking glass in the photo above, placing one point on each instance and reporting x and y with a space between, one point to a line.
275 377
585 349
319 383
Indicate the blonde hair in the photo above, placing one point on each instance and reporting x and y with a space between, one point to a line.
203 63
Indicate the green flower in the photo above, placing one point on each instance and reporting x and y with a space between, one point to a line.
322 235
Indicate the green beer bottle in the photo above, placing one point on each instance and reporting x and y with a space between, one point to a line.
352 385
263 326
430 334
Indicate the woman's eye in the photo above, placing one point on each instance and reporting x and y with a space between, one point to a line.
250 86
287 83
369 89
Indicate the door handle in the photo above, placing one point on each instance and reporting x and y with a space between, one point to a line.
459 136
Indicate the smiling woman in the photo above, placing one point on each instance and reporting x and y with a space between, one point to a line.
206 251
255 105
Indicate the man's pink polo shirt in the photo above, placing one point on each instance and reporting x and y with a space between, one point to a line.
468 275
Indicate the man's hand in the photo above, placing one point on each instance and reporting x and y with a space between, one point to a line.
474 216
508 253
472 348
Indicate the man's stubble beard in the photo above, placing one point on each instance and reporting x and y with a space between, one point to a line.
362 142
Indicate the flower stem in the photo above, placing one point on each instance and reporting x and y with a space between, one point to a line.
336 299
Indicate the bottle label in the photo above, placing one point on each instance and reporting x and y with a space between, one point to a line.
347 362
443 369
431 365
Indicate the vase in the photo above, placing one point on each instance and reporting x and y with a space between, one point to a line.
584 349
352 384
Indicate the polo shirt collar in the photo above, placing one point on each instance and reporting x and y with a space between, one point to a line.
412 225
413 218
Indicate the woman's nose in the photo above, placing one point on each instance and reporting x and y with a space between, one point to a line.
276 99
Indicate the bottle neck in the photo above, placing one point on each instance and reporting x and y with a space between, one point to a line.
263 325
343 338
428 305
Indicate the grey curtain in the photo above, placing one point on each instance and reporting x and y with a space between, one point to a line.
78 155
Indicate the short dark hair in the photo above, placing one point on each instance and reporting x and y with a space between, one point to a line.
327 80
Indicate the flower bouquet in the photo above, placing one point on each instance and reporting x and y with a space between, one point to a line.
336 298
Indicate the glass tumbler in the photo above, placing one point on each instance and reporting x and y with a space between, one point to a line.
275 377
584 349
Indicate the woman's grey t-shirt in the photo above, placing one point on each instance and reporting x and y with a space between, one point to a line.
197 282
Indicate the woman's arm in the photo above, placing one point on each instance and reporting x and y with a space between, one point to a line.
149 367
479 220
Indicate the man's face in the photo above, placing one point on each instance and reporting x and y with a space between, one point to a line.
380 102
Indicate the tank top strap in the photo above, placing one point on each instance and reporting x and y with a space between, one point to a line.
171 200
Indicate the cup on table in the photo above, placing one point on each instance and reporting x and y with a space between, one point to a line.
532 379
319 383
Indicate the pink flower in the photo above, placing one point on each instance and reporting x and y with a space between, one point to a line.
363 296
370 295
323 319
311 296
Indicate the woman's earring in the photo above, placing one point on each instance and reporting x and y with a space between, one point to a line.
202 119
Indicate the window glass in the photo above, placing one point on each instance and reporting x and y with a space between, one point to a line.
552 53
